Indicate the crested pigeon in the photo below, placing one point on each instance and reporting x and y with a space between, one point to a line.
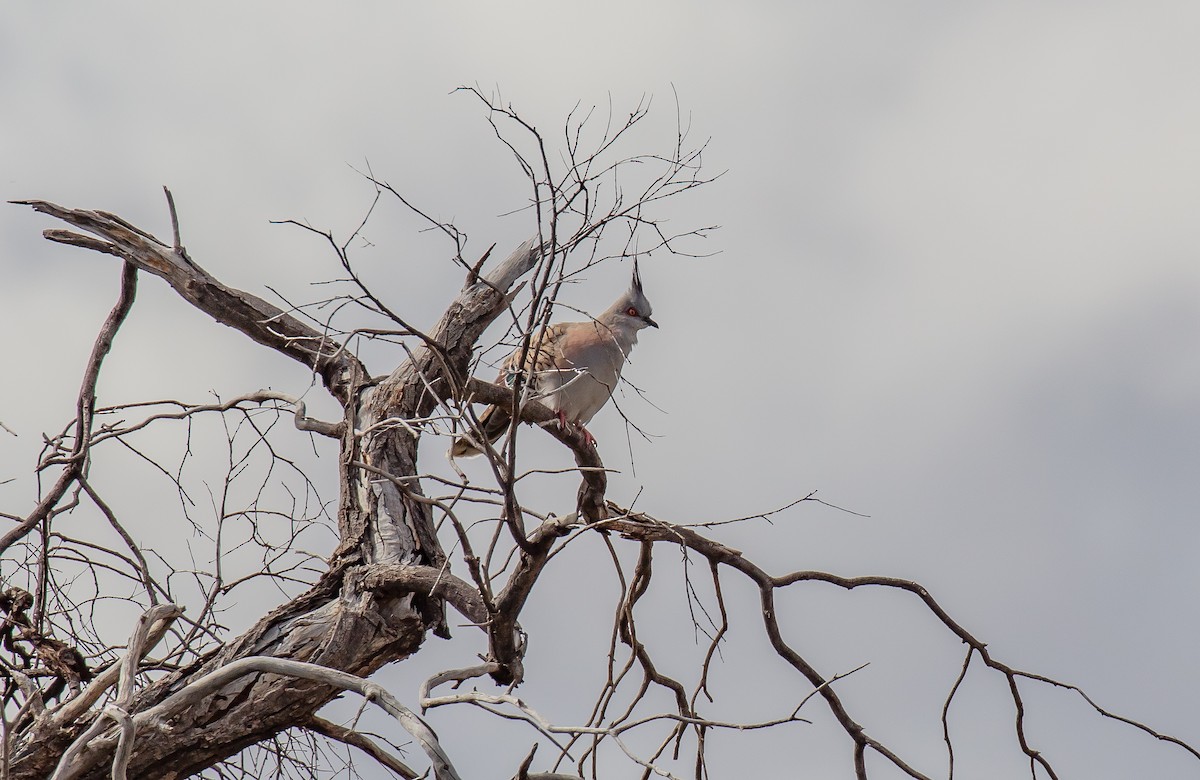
573 368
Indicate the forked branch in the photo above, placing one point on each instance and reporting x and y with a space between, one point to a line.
261 321
645 529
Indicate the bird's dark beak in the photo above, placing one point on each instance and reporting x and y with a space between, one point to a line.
650 322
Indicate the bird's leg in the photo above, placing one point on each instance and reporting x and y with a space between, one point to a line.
588 438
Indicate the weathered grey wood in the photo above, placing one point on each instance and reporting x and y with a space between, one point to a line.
262 321
222 679
356 618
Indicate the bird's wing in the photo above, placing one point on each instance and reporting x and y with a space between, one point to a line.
548 355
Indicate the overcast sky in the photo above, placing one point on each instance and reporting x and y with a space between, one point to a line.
955 289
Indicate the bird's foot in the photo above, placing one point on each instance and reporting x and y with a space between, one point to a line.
588 438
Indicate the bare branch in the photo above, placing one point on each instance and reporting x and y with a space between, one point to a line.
118 709
430 582
261 321
85 408
150 629
242 704
362 742
156 717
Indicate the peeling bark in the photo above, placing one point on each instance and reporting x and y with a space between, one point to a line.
347 621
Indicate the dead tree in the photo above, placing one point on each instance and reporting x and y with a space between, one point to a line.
171 695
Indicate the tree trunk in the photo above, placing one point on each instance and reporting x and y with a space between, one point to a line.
341 623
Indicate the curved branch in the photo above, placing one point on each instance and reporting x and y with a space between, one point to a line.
591 469
151 628
428 581
338 623
644 528
85 408
362 742
156 717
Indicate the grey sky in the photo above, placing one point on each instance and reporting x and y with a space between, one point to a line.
957 291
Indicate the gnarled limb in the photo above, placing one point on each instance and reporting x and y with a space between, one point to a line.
646 529
389 578
264 322
337 623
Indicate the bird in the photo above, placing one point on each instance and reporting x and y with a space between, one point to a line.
573 368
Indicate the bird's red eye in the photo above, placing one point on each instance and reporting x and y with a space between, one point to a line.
631 311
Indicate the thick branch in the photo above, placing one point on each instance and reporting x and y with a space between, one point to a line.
340 623
157 718
505 639
264 322
150 630
429 582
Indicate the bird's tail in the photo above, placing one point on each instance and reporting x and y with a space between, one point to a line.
492 425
